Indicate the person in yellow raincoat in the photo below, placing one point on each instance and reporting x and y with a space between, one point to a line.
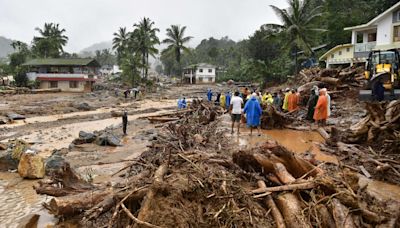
286 100
222 100
270 99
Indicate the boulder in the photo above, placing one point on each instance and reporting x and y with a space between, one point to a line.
83 106
15 116
84 137
108 139
54 163
31 165
7 162
116 114
3 121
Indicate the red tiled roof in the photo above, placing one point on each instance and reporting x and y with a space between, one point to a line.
65 79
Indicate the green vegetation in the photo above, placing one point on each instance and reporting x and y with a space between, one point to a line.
51 41
176 41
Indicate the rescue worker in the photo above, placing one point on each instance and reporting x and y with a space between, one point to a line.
218 99
321 109
292 101
228 99
286 100
312 102
209 95
223 100
183 103
235 109
270 99
253 112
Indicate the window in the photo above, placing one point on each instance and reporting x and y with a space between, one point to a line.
340 52
396 33
398 16
360 38
332 56
348 49
210 79
73 84
372 37
201 70
200 79
209 70
54 84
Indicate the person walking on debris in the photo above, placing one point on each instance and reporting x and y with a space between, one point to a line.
209 95
312 102
328 99
293 101
223 100
227 100
285 105
235 109
218 99
321 109
126 92
124 121
183 103
253 112
277 101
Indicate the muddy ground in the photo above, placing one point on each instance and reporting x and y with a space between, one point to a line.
54 121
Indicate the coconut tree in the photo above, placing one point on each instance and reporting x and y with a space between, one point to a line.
297 24
51 41
120 42
176 41
145 36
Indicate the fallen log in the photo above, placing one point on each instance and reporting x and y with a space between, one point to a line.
276 214
330 80
324 217
290 207
289 187
162 119
341 215
75 204
283 175
323 133
147 204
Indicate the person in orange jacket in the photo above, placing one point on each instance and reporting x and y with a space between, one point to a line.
321 109
293 101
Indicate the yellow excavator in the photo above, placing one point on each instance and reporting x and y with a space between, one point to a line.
382 67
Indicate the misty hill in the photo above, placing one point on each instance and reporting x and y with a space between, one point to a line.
5 47
89 51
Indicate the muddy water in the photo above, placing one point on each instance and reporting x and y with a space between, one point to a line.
18 199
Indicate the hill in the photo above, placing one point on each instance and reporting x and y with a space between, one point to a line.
89 51
5 47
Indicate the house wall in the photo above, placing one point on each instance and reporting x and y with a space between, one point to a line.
384 32
205 76
345 54
64 86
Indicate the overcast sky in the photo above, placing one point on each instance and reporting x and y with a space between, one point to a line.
92 21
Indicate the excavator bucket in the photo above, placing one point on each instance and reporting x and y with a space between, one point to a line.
366 95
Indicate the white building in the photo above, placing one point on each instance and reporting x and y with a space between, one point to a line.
381 33
199 73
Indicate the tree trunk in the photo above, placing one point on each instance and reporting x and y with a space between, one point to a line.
341 215
291 210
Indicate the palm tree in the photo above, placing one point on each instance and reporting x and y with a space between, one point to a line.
176 43
51 41
120 42
297 23
146 38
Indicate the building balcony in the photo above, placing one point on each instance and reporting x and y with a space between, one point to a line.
364 47
33 75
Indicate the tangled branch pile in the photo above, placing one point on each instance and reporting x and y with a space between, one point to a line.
191 178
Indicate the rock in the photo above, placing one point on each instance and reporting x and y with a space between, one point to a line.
31 166
3 146
29 221
83 106
116 114
88 137
17 148
3 121
54 164
15 116
7 162
108 139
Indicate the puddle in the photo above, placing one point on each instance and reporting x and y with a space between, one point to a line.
18 199
380 190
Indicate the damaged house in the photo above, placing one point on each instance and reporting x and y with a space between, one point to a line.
69 75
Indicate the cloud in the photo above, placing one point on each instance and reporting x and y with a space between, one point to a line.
92 21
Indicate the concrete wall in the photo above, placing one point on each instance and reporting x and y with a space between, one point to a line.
346 53
64 86
385 31
207 77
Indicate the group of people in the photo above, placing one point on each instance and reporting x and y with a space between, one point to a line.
134 93
251 104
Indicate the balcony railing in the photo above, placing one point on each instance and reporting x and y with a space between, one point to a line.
34 75
365 47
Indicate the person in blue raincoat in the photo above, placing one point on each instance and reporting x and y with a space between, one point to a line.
209 95
179 103
253 112
183 103
228 100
